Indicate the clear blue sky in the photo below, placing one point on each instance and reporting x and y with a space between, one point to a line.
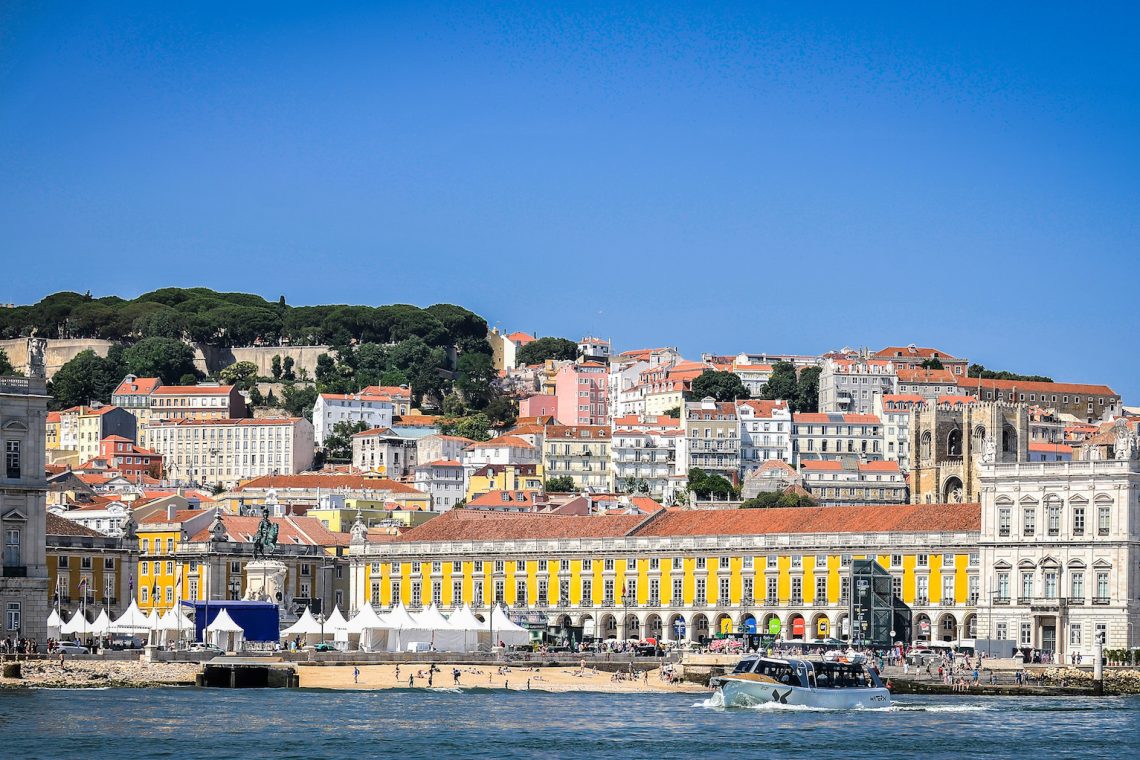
720 178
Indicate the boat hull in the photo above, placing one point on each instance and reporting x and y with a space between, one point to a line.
742 693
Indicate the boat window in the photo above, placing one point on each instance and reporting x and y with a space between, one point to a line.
779 672
744 666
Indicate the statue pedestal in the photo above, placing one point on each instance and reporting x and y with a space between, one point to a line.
265 581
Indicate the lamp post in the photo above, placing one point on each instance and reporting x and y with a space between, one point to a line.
321 620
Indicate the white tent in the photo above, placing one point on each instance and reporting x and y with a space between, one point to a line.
79 625
402 629
444 637
172 622
102 624
338 625
153 618
54 623
225 633
306 626
502 629
372 629
132 621
474 630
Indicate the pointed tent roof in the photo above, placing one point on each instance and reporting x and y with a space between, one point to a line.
465 620
224 623
102 623
77 624
305 625
132 621
173 620
501 622
366 618
399 619
431 619
54 620
154 617
335 621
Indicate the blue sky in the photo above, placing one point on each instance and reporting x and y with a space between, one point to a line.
720 178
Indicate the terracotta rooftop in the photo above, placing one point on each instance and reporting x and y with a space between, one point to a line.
140 386
902 518
818 418
973 383
465 525
503 441
192 390
312 482
291 531
60 526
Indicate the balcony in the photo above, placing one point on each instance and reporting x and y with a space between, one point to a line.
1001 600
653 602
1101 600
1076 600
15 571
1024 600
946 603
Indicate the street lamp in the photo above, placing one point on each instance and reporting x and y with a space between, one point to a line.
321 620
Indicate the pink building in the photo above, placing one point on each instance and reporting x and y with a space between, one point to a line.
539 405
582 392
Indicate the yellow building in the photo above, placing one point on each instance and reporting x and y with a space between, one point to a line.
88 569
504 477
162 575
684 574
341 519
51 440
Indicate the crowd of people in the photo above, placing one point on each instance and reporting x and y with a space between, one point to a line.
18 646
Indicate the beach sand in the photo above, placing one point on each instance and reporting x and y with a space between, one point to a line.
552 679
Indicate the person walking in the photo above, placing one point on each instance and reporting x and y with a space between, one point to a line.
431 673
411 680
455 675
355 674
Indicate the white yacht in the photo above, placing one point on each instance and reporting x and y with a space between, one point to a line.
836 684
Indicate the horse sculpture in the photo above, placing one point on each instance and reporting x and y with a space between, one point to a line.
265 540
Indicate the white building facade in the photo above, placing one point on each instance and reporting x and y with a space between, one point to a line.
332 408
228 451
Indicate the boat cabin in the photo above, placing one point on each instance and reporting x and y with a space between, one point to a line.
810 674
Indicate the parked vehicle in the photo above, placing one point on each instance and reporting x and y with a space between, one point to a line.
71 647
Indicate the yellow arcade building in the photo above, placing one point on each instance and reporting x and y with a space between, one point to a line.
682 574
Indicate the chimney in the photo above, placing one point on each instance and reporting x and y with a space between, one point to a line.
170 510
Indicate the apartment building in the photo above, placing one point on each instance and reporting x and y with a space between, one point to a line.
833 483
583 395
765 432
849 386
712 438
196 402
581 452
331 409
227 451
837 437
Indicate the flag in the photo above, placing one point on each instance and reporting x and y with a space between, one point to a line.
131 581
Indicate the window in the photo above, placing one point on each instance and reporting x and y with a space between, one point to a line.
1003 521
896 560
655 563
500 566
797 590
170 544
896 586
702 563
821 590
797 560
1050 584
1053 519
520 592
12 463
1078 521
678 592
1002 631
63 561
144 594
845 560
947 589
770 590
12 616
723 592
395 589
1027 585
609 564
1102 633
437 567
1102 587
108 563
1029 521
587 565
1026 634
1075 634
1077 585
477 597
923 589
1003 585
374 597
923 560
700 595
457 567
305 568
1102 520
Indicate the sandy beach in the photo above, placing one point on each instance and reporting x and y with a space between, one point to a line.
552 679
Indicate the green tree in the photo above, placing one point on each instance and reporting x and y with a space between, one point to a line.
978 370
6 367
475 375
560 484
164 358
722 386
298 400
932 363
634 485
675 412
326 369
338 444
241 374
807 391
420 364
771 499
502 410
287 369
85 378
275 366
477 427
706 485
538 351
782 383
255 397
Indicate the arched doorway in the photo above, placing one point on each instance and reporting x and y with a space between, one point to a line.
589 627
841 628
1008 440
609 627
977 440
653 626
924 445
797 628
631 626
947 627
700 627
771 625
722 624
952 491
748 623
677 628
922 627
820 626
971 626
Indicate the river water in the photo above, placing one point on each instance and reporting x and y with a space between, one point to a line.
195 724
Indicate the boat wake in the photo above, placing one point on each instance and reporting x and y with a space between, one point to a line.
937 708
716 702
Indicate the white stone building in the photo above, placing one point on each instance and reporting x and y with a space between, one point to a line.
1060 552
445 480
227 451
23 512
837 436
374 411
894 410
765 432
850 385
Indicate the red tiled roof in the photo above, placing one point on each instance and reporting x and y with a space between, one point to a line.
228 421
312 482
291 531
52 417
763 407
924 375
516 499
520 338
474 525
142 386
895 518
503 441
912 352
180 515
1051 448
1027 386
60 526
441 463
574 432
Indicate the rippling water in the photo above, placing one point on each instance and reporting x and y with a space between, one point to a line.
218 723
